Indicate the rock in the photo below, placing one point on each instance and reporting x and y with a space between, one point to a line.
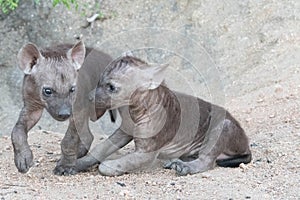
272 115
205 175
121 184
278 88
243 167
260 100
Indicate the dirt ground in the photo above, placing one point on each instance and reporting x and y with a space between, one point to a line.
256 46
269 115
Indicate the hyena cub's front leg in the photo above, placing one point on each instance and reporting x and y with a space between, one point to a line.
127 163
22 153
113 143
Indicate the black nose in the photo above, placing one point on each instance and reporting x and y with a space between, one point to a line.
64 114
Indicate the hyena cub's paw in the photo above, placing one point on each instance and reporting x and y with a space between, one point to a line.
110 168
65 170
23 160
179 166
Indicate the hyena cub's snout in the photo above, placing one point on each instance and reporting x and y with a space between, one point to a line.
60 109
96 97
101 99
64 112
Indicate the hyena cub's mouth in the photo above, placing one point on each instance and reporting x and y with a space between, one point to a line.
61 115
63 118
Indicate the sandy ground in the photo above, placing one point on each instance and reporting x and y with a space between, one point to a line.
270 116
256 46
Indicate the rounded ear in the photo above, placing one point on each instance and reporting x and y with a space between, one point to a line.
127 53
28 56
77 54
155 75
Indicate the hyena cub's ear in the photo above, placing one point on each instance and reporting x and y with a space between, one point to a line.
155 75
127 53
77 54
28 57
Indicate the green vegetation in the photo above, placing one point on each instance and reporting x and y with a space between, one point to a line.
7 6
67 3
85 9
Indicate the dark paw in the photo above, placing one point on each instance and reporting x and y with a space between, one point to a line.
168 164
24 160
64 171
179 166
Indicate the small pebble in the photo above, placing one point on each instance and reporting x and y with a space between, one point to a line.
297 126
278 88
248 119
243 166
5 137
121 184
272 116
206 175
253 144
260 100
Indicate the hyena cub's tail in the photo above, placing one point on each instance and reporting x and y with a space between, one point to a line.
234 161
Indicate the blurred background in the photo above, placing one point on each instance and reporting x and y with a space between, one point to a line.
236 47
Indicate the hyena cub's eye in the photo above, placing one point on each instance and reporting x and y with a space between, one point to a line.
72 89
47 91
111 88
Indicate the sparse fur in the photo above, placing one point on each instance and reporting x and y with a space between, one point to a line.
192 135
58 79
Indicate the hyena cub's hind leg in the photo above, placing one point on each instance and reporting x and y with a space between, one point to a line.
182 168
237 150
226 145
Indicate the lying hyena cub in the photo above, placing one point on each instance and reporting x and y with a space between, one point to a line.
58 79
192 134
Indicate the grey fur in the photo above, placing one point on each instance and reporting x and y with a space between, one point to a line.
55 80
192 135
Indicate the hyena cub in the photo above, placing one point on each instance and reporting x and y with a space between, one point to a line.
58 79
192 135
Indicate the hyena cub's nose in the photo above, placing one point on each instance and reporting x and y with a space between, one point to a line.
64 114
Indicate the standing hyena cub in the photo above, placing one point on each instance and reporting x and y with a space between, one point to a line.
58 79
191 134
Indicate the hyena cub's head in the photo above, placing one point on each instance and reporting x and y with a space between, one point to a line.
125 76
54 73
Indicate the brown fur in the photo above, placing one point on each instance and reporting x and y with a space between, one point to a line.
192 134
58 68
